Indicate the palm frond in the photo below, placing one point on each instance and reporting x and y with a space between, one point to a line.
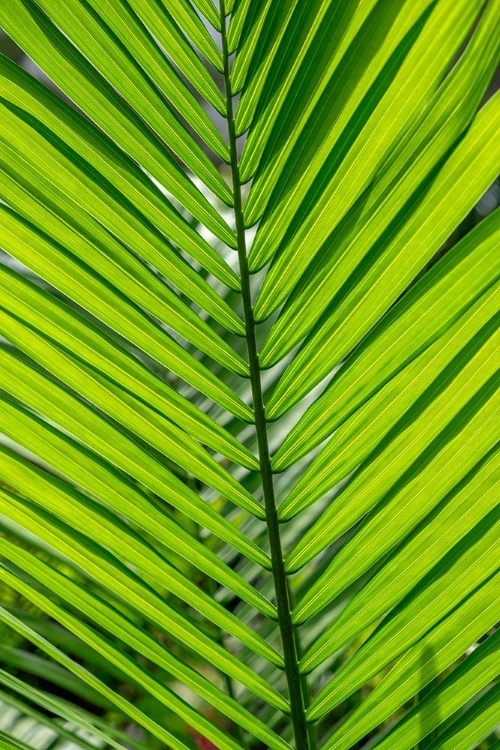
249 469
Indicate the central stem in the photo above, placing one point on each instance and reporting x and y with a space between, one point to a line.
290 654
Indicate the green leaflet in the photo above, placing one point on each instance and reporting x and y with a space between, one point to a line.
66 711
109 572
188 20
108 111
92 606
124 705
395 405
461 418
307 73
421 664
358 63
250 25
241 23
11 743
40 255
164 28
35 121
59 731
143 422
452 520
474 724
28 187
58 635
380 532
76 334
209 10
37 666
118 66
464 568
102 481
466 680
119 274
124 542
361 78
403 257
434 303
420 73
139 44
254 62
392 196
36 391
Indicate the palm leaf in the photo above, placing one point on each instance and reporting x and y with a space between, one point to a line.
23 726
251 510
